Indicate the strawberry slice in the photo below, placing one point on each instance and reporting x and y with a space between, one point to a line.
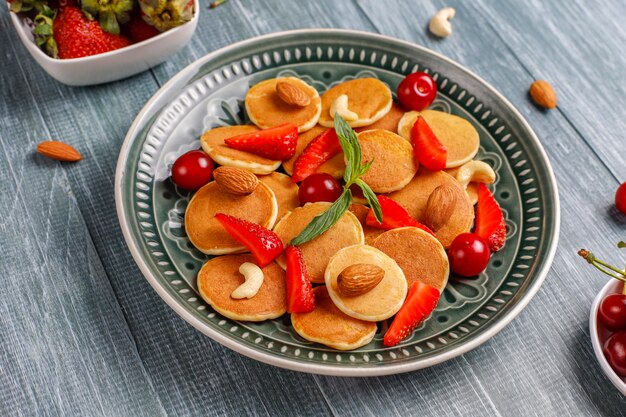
429 151
277 143
264 244
490 223
420 302
394 216
300 297
318 151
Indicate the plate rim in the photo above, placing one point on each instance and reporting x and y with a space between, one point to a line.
324 369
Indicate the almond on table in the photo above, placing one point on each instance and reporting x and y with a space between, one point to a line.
59 151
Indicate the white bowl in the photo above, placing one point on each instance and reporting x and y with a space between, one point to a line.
113 65
599 334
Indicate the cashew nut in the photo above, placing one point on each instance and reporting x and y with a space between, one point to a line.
340 106
440 23
253 280
475 171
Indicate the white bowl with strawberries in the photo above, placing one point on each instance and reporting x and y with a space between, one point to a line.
90 43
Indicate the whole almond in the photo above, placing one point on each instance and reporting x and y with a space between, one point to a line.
292 94
234 180
358 279
543 94
439 207
59 151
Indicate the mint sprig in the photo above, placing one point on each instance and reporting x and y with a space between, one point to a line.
354 170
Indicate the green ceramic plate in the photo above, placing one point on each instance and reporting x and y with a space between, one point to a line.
210 93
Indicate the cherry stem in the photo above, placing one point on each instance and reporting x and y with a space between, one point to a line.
608 269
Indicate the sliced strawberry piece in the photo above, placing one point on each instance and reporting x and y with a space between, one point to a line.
277 143
264 244
394 216
490 223
318 151
300 297
420 302
429 151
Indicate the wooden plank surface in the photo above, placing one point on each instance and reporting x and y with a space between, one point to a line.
99 341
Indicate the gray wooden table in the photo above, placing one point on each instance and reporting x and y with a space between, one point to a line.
83 334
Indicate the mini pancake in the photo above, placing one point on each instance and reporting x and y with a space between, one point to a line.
394 164
369 98
388 122
285 191
317 252
414 198
266 109
370 233
334 166
207 234
330 326
420 256
455 133
382 301
220 276
212 142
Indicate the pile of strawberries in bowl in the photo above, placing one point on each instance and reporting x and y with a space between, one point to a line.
82 42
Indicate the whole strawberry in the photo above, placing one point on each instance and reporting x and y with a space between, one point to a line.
166 14
76 36
138 30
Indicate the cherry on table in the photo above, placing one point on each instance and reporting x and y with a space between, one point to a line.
469 254
417 91
319 187
620 198
192 170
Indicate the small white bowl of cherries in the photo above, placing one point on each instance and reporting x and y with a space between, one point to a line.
607 322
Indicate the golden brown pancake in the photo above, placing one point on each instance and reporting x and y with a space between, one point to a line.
369 98
266 109
334 166
331 327
212 142
455 133
420 256
207 234
394 164
360 212
414 198
317 252
285 191
220 276
381 302
388 122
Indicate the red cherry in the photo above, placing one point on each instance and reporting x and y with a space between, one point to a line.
612 312
319 187
192 170
615 352
417 91
620 198
469 254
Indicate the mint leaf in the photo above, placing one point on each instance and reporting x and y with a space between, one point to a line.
371 198
325 220
351 149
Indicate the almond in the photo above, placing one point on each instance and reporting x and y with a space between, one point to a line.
59 151
543 94
358 279
234 180
292 94
439 207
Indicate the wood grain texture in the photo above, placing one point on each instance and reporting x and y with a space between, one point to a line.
101 342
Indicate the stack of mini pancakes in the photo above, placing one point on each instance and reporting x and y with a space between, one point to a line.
406 254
